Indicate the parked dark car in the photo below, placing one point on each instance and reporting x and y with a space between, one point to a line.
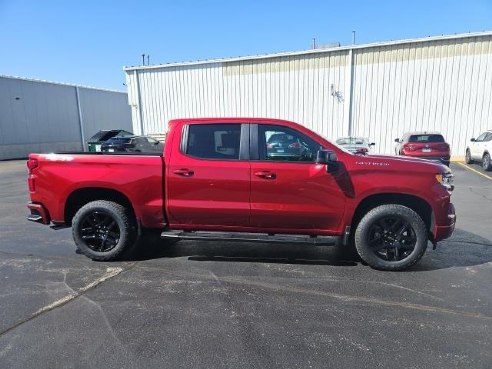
95 142
424 145
132 144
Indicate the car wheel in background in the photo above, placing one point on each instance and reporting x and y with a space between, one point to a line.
486 163
468 159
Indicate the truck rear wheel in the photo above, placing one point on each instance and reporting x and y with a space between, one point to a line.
103 229
391 237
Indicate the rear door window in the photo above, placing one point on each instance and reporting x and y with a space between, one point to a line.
213 141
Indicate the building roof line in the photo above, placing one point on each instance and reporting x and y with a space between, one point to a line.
59 83
311 51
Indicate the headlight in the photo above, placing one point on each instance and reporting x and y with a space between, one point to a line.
447 180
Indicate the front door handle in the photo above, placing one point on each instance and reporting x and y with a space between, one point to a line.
266 174
184 172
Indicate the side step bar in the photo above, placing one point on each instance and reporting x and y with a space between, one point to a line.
249 237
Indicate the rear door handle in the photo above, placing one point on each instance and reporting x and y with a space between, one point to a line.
184 172
266 174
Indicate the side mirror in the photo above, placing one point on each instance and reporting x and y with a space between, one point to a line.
397 140
372 144
329 158
473 140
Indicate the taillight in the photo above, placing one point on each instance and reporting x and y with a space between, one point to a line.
269 146
295 145
32 164
443 147
32 185
408 147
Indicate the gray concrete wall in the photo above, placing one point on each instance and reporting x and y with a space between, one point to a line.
37 116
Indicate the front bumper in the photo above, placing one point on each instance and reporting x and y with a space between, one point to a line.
441 232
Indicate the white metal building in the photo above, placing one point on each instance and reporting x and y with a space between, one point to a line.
39 116
377 90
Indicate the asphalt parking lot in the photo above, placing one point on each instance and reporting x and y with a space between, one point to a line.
237 305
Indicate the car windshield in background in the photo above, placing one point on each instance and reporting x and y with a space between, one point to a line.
350 141
426 138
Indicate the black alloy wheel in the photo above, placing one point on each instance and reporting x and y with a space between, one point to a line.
103 230
100 231
391 237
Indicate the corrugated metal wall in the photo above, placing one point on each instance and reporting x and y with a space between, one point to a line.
39 116
441 84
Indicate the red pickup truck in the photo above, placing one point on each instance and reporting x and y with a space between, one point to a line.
247 179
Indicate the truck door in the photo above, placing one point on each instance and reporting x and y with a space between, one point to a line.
288 189
208 176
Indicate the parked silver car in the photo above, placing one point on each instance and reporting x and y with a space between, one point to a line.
356 145
480 149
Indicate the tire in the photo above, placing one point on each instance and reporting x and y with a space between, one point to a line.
391 237
103 230
468 159
486 162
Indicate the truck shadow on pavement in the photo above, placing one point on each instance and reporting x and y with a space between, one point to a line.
152 247
463 249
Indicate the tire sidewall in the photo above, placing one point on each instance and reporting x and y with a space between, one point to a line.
122 218
364 227
486 162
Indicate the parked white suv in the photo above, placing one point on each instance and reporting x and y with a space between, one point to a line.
480 149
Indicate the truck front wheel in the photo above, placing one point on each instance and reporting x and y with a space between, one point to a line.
103 229
391 237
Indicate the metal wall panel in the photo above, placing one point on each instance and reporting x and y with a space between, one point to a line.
434 86
102 109
437 84
39 116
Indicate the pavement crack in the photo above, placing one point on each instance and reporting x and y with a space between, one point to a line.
111 272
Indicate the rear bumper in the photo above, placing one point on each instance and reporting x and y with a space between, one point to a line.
442 159
441 232
38 213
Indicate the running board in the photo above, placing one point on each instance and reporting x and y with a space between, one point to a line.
250 237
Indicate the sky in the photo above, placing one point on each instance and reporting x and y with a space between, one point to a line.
89 42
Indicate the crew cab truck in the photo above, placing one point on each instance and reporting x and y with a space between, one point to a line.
248 179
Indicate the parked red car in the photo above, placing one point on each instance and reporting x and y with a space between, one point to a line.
424 145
